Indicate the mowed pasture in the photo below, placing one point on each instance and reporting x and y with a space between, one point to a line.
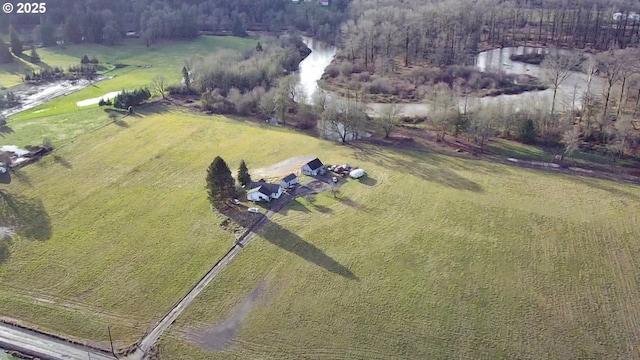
115 227
431 258
141 65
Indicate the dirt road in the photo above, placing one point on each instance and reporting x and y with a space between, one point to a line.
44 346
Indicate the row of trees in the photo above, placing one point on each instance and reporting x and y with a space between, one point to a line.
221 186
99 21
382 33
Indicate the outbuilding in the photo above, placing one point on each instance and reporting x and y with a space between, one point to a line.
313 168
289 181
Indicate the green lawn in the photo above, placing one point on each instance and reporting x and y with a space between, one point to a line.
432 258
115 226
143 64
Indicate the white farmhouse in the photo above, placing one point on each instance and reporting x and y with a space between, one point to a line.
263 191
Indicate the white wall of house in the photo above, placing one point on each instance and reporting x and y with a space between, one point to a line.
278 194
257 196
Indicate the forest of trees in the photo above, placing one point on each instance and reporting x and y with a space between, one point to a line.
383 33
108 21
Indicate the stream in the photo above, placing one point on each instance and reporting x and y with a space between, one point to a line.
312 68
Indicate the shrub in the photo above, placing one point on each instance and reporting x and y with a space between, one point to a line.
126 99
332 71
528 132
216 103
365 77
380 86
346 69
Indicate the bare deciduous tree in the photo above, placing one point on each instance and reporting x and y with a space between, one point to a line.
557 69
389 118
159 85
444 109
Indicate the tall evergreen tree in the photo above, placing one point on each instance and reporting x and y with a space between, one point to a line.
220 183
185 77
16 44
5 54
238 27
34 54
47 32
244 178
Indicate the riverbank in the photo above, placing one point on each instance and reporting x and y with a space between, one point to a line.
410 84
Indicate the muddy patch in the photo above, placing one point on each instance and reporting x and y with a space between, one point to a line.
283 168
221 335
32 95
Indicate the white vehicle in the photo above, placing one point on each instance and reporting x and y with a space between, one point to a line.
236 201
254 210
357 173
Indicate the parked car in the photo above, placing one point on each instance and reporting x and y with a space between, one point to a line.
254 210
236 201
335 179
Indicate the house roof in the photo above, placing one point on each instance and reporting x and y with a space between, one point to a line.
289 177
264 188
315 164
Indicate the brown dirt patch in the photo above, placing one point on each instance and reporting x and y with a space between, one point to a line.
283 168
221 335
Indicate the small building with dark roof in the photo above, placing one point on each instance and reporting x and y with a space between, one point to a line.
313 168
289 181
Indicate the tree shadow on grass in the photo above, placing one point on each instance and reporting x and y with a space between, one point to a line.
294 205
434 169
27 216
351 203
4 249
62 161
22 177
5 131
323 209
286 240
610 189
121 123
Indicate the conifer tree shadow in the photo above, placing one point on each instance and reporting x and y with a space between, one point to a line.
4 249
5 130
27 216
286 240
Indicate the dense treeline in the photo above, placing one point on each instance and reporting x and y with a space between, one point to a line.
383 33
108 21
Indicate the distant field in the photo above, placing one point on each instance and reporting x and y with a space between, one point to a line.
166 58
432 258
115 226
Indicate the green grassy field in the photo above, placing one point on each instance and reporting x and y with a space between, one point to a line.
431 258
166 58
115 226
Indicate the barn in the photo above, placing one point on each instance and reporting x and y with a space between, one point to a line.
313 168
289 181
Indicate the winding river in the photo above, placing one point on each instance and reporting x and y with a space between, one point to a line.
568 96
